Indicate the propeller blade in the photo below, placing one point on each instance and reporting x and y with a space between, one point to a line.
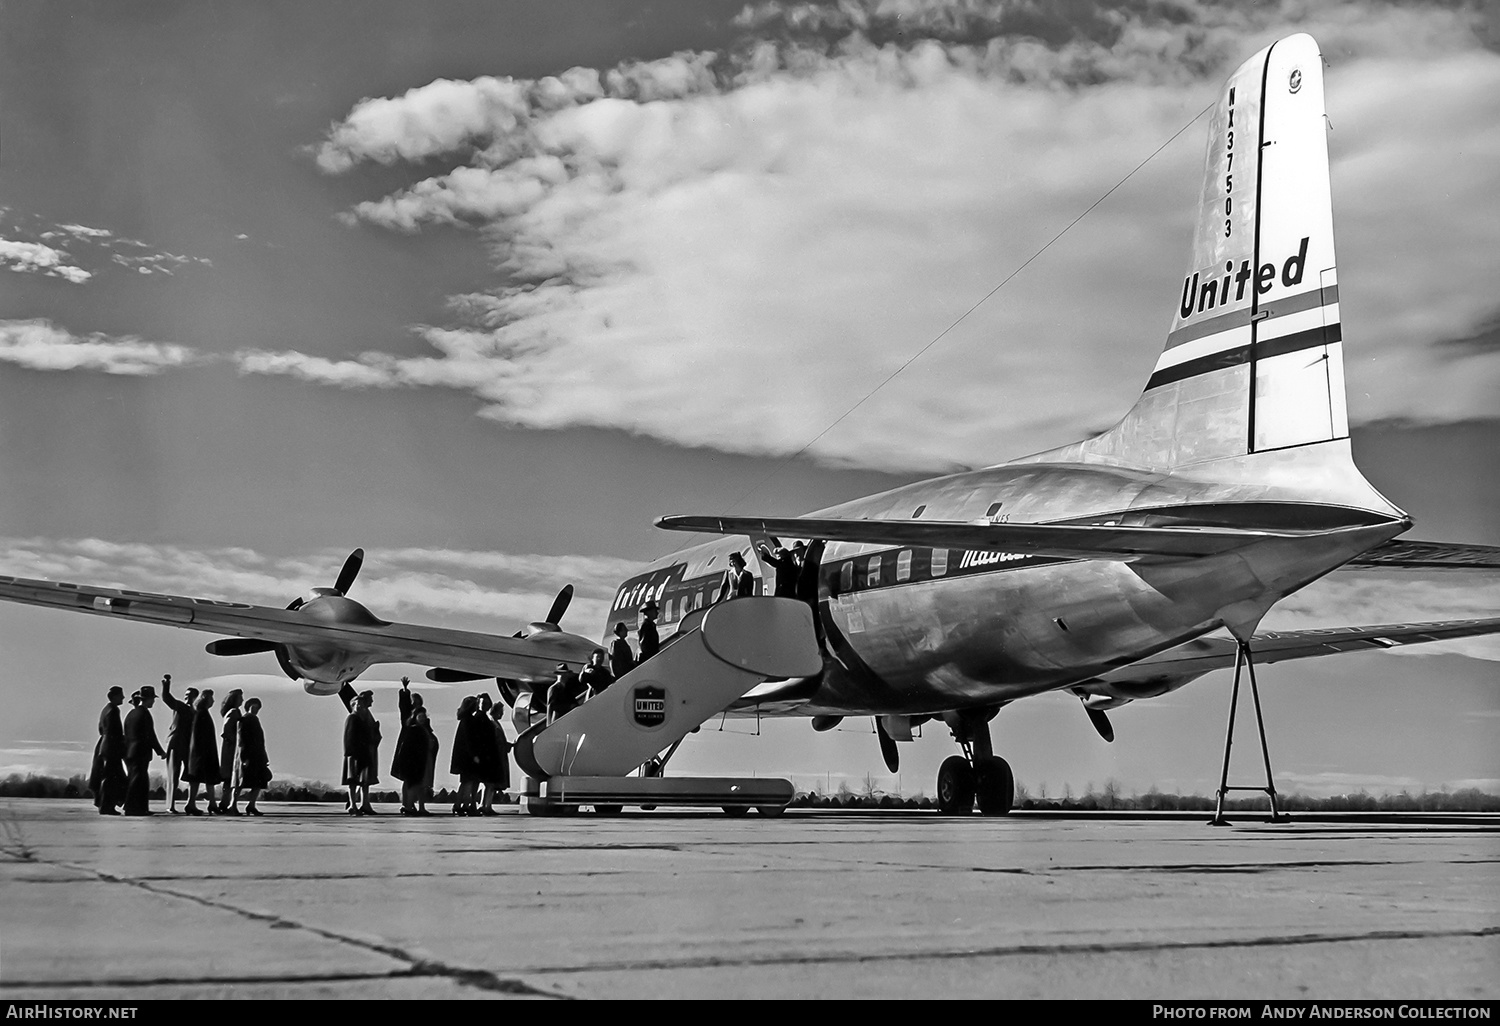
560 604
1101 723
239 646
349 572
442 676
887 747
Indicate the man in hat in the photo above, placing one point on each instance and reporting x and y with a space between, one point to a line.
786 566
650 641
140 744
107 776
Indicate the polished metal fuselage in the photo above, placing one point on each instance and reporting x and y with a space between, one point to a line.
1024 626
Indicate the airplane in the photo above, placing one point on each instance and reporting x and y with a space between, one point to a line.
1103 568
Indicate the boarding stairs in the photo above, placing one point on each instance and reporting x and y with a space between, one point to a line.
587 756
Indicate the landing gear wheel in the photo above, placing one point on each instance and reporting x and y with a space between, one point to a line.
736 810
994 785
608 810
770 811
955 787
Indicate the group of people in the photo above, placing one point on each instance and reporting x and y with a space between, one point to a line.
569 690
234 759
480 760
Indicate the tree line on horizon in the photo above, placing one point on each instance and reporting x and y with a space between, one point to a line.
1109 798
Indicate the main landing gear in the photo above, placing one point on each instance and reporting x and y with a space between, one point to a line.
978 775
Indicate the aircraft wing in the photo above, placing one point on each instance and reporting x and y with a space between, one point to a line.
529 658
1423 555
1201 655
1074 541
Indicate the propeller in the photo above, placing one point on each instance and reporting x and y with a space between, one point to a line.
887 747
560 604
554 615
249 646
1101 723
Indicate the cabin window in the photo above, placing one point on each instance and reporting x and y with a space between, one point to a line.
903 566
919 511
939 562
872 574
846 578
670 610
994 508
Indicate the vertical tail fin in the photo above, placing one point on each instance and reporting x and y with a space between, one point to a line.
1254 360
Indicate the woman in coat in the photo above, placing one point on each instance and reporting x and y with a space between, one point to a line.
203 756
430 771
255 765
229 798
499 773
361 752
409 762
465 761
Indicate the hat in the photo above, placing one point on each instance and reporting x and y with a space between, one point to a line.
799 545
649 607
562 667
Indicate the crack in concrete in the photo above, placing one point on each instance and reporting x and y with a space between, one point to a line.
480 979
1263 867
1101 947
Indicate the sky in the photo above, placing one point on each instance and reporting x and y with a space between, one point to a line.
483 288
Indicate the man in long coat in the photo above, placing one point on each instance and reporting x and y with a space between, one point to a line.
107 776
650 640
140 744
621 658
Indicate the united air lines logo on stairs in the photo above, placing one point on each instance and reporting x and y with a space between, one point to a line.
650 705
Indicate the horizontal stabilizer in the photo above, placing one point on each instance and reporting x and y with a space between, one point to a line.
1074 541
1421 555
1205 654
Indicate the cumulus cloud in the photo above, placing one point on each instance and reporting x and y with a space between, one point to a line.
41 345
790 220
39 258
100 246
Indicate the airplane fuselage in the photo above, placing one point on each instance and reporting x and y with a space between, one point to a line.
913 630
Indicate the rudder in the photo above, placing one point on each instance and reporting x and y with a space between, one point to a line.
1253 361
